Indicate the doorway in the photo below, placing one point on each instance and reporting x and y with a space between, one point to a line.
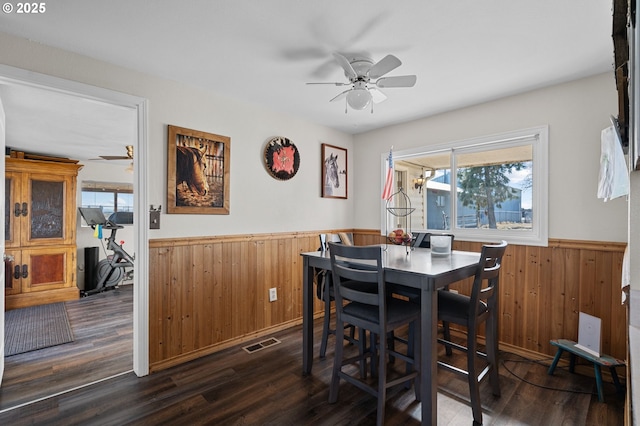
138 106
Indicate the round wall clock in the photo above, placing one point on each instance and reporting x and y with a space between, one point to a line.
281 158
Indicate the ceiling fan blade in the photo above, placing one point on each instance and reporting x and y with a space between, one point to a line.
383 66
333 84
114 157
397 81
377 96
344 63
340 96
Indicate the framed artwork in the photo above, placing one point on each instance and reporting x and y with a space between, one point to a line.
281 158
198 172
334 171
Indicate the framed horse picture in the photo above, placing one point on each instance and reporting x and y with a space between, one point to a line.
198 172
334 171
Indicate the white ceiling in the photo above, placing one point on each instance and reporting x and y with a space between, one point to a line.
463 52
48 122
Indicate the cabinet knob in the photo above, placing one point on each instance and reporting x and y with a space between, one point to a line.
25 271
25 210
16 272
17 210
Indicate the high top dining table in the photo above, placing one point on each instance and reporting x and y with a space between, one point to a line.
416 268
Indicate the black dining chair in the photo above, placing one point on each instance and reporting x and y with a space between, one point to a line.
325 292
471 311
362 300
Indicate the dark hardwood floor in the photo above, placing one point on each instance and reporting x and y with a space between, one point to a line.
102 326
233 387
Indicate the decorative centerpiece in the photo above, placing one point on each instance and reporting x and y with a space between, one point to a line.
399 205
399 236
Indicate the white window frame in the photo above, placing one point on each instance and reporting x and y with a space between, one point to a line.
538 137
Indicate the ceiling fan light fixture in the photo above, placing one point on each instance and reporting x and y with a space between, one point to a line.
358 98
365 78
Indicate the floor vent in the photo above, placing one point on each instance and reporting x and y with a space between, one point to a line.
271 341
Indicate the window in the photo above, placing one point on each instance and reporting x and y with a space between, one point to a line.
484 189
115 200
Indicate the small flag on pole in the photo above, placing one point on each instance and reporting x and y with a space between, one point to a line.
388 184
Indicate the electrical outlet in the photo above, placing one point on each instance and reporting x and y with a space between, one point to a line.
273 294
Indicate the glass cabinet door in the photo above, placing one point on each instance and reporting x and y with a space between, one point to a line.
48 211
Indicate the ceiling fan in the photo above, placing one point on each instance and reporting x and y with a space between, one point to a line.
366 78
129 155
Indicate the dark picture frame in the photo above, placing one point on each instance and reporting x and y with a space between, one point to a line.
198 172
333 164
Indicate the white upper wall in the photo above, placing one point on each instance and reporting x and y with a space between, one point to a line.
259 203
576 113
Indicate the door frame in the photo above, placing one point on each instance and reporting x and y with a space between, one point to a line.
2 196
12 75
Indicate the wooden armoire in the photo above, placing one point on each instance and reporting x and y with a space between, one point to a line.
40 232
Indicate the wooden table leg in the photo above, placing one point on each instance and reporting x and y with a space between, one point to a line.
598 373
307 317
616 381
572 362
555 361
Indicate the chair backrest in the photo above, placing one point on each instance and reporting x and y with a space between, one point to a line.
362 264
423 239
488 272
324 279
346 238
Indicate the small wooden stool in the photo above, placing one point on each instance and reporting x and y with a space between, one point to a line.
602 361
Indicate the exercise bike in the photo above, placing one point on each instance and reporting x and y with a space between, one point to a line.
110 271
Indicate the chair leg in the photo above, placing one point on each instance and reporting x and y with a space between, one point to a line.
325 327
414 350
474 386
391 344
446 333
373 345
492 353
382 381
337 364
410 352
362 347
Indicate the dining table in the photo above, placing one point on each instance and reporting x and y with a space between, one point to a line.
413 267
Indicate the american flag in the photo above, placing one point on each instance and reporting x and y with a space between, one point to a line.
388 184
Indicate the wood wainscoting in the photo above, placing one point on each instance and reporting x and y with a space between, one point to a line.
209 293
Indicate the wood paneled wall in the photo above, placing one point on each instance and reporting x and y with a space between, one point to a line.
209 293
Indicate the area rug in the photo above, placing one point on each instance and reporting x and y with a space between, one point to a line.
36 327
